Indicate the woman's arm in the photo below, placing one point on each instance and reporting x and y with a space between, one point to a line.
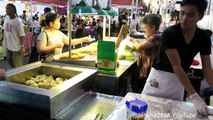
144 45
76 41
43 48
42 44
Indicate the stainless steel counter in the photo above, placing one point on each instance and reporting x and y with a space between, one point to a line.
90 106
159 109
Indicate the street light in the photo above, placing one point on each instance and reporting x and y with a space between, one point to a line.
111 11
100 11
83 9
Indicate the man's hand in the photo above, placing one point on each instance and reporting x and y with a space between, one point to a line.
22 50
2 74
199 104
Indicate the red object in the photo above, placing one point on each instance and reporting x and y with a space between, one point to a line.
28 41
56 2
195 62
125 2
122 2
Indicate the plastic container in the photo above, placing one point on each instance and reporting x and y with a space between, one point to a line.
136 109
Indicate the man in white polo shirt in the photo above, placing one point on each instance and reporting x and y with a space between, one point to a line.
13 37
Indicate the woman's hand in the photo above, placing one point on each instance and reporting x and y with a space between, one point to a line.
59 45
132 39
137 47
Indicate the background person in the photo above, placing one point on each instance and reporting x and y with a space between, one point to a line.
13 37
24 16
123 19
179 45
42 17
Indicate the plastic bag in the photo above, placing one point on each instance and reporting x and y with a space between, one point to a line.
126 50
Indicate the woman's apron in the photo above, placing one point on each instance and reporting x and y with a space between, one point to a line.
163 84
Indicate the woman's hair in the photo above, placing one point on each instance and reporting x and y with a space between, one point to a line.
51 17
201 4
152 19
14 8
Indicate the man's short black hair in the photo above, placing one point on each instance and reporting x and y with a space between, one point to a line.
201 4
13 6
47 10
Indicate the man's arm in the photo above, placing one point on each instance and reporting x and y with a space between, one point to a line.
207 69
178 70
22 50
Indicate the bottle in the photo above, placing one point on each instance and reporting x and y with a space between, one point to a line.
136 109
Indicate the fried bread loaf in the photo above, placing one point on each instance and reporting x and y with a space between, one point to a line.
74 55
44 81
